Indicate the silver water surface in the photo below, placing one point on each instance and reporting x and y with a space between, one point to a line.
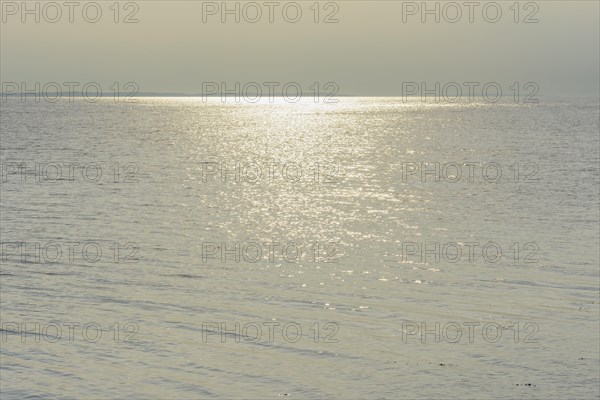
369 209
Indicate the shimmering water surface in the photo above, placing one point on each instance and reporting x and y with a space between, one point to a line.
355 203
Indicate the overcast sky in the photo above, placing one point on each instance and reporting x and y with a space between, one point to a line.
370 51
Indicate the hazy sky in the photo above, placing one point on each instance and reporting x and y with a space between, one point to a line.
370 51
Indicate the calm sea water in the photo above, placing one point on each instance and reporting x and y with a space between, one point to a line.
129 290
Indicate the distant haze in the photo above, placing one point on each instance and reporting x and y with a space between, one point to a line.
370 51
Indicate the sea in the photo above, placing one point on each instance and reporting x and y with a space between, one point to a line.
363 248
